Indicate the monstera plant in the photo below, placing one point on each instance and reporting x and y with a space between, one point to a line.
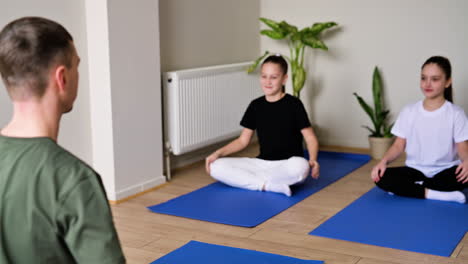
297 40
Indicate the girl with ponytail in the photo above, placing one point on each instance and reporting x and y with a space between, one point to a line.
434 134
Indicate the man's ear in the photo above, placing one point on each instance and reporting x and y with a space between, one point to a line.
60 77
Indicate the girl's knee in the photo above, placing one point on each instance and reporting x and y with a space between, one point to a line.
298 162
298 166
380 185
218 165
386 184
222 162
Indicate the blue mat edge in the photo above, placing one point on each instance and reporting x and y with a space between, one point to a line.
200 218
355 156
350 155
391 247
195 242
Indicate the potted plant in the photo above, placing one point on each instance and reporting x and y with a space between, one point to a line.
297 41
380 138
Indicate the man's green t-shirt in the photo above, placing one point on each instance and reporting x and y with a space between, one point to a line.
53 207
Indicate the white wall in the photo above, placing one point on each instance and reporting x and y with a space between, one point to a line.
123 39
75 132
398 36
100 92
208 32
136 95
116 122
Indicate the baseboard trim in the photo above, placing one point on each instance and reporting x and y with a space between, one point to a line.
138 190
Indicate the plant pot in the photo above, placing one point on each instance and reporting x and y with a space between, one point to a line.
379 145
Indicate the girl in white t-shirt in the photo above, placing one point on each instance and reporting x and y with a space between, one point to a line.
434 134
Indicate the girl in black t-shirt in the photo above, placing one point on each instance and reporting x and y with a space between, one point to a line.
281 123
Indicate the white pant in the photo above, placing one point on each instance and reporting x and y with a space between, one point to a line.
253 173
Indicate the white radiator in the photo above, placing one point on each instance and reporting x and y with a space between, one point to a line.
205 105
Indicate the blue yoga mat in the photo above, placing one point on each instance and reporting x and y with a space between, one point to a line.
223 204
418 225
195 252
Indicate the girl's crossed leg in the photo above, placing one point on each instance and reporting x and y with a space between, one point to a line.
409 182
261 175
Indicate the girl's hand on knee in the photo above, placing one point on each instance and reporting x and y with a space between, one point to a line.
462 172
378 171
315 168
214 156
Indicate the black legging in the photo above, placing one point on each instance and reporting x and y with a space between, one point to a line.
404 181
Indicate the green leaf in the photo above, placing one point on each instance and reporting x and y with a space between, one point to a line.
271 23
317 28
314 42
382 115
296 36
273 34
387 131
299 77
256 62
366 107
372 132
378 115
377 91
294 65
286 28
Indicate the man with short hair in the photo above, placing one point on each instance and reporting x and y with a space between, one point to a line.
53 207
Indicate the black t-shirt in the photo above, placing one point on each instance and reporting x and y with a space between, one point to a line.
278 126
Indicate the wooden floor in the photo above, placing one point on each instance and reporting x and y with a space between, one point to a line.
146 236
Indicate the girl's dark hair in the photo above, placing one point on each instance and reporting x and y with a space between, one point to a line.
444 64
279 60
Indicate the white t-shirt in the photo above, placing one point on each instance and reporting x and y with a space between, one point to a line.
431 136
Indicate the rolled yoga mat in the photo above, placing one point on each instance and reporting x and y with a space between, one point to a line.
418 225
195 252
223 204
